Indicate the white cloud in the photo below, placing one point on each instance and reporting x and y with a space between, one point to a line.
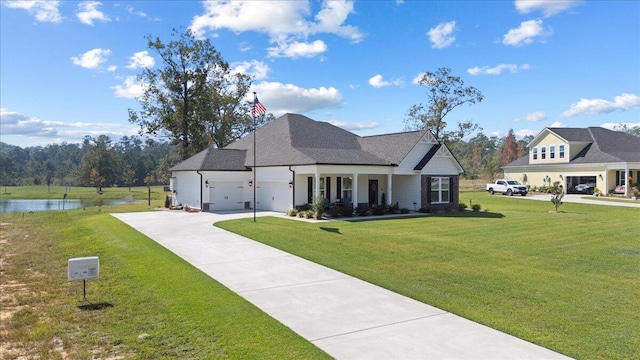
88 12
141 14
526 33
281 98
44 11
497 70
255 68
297 49
354 126
244 46
92 59
131 89
377 82
288 23
32 128
416 80
557 124
141 59
622 102
442 36
524 132
615 126
533 117
547 7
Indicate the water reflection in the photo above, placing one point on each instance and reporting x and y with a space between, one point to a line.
22 205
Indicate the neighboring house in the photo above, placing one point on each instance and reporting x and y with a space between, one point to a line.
601 158
299 158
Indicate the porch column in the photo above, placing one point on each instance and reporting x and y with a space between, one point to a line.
317 186
389 192
626 179
355 191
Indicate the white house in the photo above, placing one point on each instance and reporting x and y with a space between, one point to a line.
298 158
604 159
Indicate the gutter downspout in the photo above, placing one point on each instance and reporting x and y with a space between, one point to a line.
293 195
198 172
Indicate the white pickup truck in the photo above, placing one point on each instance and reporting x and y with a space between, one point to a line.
508 187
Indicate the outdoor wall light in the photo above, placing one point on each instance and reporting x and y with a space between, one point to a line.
600 176
250 183
290 184
206 183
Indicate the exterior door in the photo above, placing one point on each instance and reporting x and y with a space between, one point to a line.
373 192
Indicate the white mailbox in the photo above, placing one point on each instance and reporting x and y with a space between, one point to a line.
84 268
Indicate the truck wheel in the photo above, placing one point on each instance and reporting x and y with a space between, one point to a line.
509 192
491 191
524 194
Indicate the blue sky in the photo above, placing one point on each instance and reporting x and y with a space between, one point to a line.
68 68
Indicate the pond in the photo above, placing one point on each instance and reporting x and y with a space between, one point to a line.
22 205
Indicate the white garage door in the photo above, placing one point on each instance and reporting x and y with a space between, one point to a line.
226 195
273 196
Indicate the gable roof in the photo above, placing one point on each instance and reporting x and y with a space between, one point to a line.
604 146
294 139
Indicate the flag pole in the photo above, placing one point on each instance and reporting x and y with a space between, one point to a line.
255 185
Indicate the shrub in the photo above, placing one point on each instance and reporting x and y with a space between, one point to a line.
476 207
424 210
462 206
308 214
404 211
167 201
394 209
301 213
292 212
318 207
362 210
377 209
345 211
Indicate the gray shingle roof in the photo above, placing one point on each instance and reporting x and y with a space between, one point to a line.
294 139
605 146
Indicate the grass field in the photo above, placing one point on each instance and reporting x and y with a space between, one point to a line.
150 304
569 281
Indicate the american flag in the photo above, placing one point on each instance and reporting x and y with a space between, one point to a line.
258 108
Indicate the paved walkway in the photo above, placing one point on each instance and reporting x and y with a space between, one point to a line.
344 316
583 199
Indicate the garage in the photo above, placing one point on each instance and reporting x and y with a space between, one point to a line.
226 195
273 195
573 181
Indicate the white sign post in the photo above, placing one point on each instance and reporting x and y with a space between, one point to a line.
83 268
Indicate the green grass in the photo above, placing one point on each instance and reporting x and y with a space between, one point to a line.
160 307
569 281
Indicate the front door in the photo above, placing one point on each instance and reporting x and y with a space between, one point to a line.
373 192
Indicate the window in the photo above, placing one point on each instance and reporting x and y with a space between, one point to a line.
321 188
347 188
440 190
543 153
561 149
552 152
535 153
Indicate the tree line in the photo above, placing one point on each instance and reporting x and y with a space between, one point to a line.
97 161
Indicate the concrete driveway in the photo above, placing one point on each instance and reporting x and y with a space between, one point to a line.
582 199
344 316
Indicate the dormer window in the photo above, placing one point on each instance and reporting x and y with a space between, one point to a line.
561 149
535 153
552 152
543 153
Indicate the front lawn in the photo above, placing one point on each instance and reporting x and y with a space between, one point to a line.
569 281
149 303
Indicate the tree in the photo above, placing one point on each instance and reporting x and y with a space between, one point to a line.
631 130
193 97
101 156
556 195
510 149
445 92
